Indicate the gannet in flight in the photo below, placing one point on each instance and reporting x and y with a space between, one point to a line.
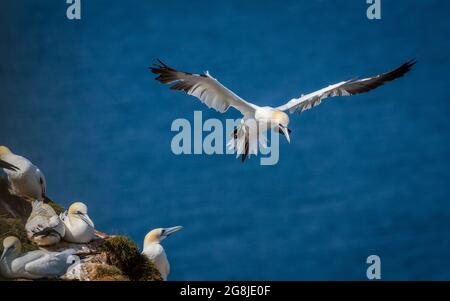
44 227
214 95
155 251
35 264
79 226
25 180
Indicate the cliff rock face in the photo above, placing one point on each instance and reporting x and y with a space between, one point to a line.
106 258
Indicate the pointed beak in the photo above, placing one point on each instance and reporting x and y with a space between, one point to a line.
6 165
285 132
87 220
168 231
5 253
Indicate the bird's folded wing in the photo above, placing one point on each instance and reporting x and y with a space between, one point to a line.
203 86
36 225
54 221
50 264
345 88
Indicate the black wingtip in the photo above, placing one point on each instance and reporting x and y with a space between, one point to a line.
158 65
161 62
408 65
412 62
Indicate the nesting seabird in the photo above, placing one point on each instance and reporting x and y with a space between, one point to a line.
35 264
25 179
79 226
44 227
214 95
154 251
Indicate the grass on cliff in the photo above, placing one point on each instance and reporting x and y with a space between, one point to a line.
14 227
124 261
104 272
123 253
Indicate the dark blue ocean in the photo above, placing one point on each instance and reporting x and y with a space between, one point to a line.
363 175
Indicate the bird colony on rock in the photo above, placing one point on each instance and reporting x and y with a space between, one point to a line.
45 228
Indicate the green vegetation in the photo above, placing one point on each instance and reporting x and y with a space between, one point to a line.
123 259
124 254
58 208
105 272
14 227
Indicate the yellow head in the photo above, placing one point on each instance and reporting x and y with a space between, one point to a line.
4 151
79 211
153 236
11 245
77 208
280 117
281 120
158 235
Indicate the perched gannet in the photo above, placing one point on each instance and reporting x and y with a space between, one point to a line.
25 180
155 252
44 227
79 227
35 264
213 94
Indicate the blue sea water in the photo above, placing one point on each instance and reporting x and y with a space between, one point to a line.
363 175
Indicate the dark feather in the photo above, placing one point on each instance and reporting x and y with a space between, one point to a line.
365 85
47 232
168 75
245 154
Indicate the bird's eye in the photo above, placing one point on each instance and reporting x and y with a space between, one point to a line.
72 259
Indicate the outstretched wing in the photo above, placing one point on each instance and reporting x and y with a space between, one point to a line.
203 86
345 88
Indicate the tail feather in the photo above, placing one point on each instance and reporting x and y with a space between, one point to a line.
245 153
244 142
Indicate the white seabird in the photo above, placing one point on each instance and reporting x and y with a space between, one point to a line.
213 94
79 226
25 179
44 227
154 251
35 264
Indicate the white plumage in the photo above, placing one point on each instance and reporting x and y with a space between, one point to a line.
26 181
245 139
35 264
154 251
79 228
44 227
